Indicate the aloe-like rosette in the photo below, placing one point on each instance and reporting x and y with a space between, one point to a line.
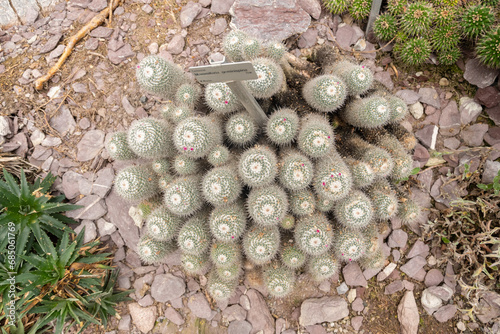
357 78
261 243
362 173
159 76
257 166
322 267
228 223
150 138
333 179
292 256
194 264
161 166
296 171
182 196
188 94
313 234
288 222
349 244
162 225
282 126
241 129
279 280
219 289
383 197
194 237
233 43
184 165
275 50
224 254
152 251
118 148
221 186
270 78
218 156
302 202
267 206
230 273
196 136
220 98
325 93
136 183
369 112
355 210
316 138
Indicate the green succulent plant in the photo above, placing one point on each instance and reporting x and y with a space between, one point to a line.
261 243
194 264
360 9
314 234
282 126
228 223
268 205
417 18
336 6
292 256
135 183
118 148
257 166
476 20
414 51
270 78
323 266
279 280
385 27
325 93
221 186
241 129
488 48
218 288
159 76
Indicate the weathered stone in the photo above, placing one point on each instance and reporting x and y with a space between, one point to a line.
144 318
469 110
105 228
315 329
357 305
356 322
430 302
443 292
116 57
478 74
312 7
234 312
491 169
259 316
176 44
494 114
90 230
488 96
124 324
452 143
408 314
385 79
97 5
63 122
408 95
198 304
317 310
189 12
239 327
474 134
104 182
118 216
346 36
101 32
221 6
398 238
445 313
167 287
489 307
51 43
174 316
394 287
245 302
427 135
353 275
219 26
93 208
413 266
90 145
70 184
429 96
308 39
419 248
492 137
449 121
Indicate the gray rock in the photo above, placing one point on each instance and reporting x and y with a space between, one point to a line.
394 287
452 143
189 12
97 5
153 48
315 329
101 32
317 310
221 6
4 126
90 145
491 169
141 285
239 327
174 316
356 322
124 52
312 7
145 301
474 134
92 44
489 306
176 44
412 267
385 79
118 215
324 286
421 154
245 302
79 87
408 314
398 238
429 96
430 302
205 3
93 208
234 312
346 36
144 318
419 248
478 74
104 182
198 304
342 288
70 184
63 122
443 292
308 39
494 114
492 137
449 122
56 52
147 9
124 324
166 287
105 228
408 95
417 110
219 26
353 275
433 277
51 43
445 313
129 108
427 135
90 230
469 110
259 316
357 305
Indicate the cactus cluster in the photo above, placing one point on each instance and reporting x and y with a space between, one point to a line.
296 195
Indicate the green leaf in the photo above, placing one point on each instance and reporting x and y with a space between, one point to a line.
59 207
445 240
25 189
484 186
415 171
11 182
46 183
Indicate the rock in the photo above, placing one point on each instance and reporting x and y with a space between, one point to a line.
324 286
97 5
469 110
145 301
198 304
245 302
346 36
105 228
147 9
84 123
174 316
351 295
452 143
445 191
124 324
489 306
430 302
166 287
118 216
312 7
386 272
90 145
429 96
176 44
239 327
443 292
63 122
445 313
259 316
317 310
421 155
144 318
494 114
104 182
385 79
221 6
398 238
478 74
101 32
51 43
353 275
124 52
394 287
315 329
90 230
93 208
409 96
417 110
488 96
270 20
408 314
419 248
4 126
70 184
129 108
308 39
427 135
449 122
356 322
412 267
234 312
474 134
189 12
141 285
92 44
219 26
492 137
357 305
491 169
342 288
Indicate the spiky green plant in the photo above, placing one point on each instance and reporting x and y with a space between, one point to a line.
257 166
279 280
164 181
488 48
194 237
188 94
360 9
369 112
194 264
408 211
292 256
476 20
296 171
324 205
229 273
398 109
414 51
362 173
288 222
184 165
333 179
261 243
152 251
241 129
218 156
161 166
162 225
267 206
313 234
375 260
349 245
396 7
445 37
220 98
224 254
196 136
175 113
383 198
323 266
270 78
325 93
118 148
136 183
357 78
316 137
228 223
336 6
302 202
417 18
233 43
385 27
182 196
218 288
147 206
159 76
275 50
371 236
282 126
150 138
445 15
355 210
221 186
251 48
450 57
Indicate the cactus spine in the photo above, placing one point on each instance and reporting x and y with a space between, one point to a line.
313 234
270 78
135 183
267 205
282 127
279 281
182 196
162 225
221 186
228 223
257 166
118 147
150 138
194 237
316 137
325 93
261 243
241 129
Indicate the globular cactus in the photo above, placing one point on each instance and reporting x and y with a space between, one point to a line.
261 243
161 166
396 7
360 9
257 166
274 50
228 223
279 280
182 196
218 156
296 171
195 264
316 137
282 126
445 38
194 237
220 98
369 112
322 267
375 260
241 129
336 6
357 78
159 76
445 15
355 210
148 205
225 254
384 200
324 205
150 138
270 78
371 236
251 48
417 18
175 114
362 173
218 288
152 251
302 202
229 273
325 93
385 27
118 148
196 136
408 211
267 206
232 45
184 165
349 245
477 20
164 181
450 57
188 94
292 256
136 183
398 109
162 225
333 179
313 234
414 51
488 48
221 186
288 222
405 137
